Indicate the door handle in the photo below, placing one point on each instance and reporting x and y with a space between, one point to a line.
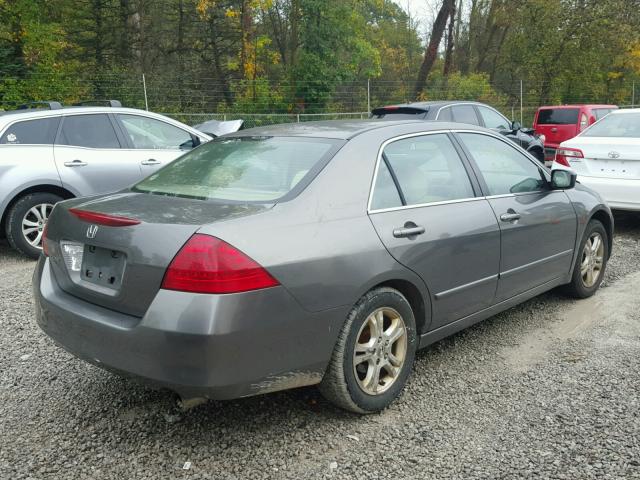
151 161
554 130
408 232
510 217
75 163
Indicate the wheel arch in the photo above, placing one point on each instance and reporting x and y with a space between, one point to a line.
607 221
416 300
42 188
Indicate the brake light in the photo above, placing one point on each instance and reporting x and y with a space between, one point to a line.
45 246
583 121
103 218
564 154
206 264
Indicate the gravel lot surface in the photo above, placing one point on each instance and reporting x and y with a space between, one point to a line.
549 389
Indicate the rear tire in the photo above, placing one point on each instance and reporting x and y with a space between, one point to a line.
374 354
26 221
590 266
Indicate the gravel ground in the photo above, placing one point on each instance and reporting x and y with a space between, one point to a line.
548 389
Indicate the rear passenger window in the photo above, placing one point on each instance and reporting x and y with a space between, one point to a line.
31 132
385 192
465 114
445 115
91 131
427 169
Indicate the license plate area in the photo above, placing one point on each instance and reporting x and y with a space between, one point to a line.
615 168
103 267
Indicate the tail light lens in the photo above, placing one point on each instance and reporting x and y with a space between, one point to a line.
103 218
584 122
563 155
206 264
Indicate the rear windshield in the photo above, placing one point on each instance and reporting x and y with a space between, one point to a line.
558 116
243 169
626 125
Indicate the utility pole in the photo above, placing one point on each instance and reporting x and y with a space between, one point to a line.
520 102
144 87
368 96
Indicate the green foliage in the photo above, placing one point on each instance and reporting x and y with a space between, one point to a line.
308 56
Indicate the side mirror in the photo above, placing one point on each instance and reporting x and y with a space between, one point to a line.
515 125
563 179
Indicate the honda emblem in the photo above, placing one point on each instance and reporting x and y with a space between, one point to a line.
614 155
91 231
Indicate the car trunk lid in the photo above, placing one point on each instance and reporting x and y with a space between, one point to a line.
121 267
606 157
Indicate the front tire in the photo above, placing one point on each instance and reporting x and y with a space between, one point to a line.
374 354
26 221
590 266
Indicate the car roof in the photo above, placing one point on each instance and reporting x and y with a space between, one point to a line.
622 111
345 129
587 105
426 106
43 113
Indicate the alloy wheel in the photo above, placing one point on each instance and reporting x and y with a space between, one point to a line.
33 223
380 351
592 260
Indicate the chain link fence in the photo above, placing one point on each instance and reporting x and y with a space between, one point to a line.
260 119
195 100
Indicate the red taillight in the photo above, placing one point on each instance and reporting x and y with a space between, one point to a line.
45 246
206 264
104 218
564 154
583 121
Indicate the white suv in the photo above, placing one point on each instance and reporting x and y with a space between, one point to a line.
50 155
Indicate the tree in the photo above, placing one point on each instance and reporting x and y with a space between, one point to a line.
431 51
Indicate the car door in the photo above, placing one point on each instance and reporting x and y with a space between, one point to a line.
538 225
430 216
152 142
88 156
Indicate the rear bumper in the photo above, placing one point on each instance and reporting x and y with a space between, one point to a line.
620 194
213 346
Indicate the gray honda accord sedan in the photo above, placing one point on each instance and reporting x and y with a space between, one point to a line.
316 253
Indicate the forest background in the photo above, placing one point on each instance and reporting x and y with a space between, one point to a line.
300 57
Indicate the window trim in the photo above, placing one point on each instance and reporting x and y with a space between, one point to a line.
461 155
116 131
483 184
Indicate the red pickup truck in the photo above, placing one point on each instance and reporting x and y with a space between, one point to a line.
562 122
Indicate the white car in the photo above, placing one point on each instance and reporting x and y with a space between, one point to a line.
606 157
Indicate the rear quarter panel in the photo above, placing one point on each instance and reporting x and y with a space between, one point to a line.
25 166
321 245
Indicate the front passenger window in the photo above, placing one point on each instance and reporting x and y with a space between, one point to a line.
149 133
505 170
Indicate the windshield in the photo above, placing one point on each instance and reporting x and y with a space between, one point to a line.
616 125
242 169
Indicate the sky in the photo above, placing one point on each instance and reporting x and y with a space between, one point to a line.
421 11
